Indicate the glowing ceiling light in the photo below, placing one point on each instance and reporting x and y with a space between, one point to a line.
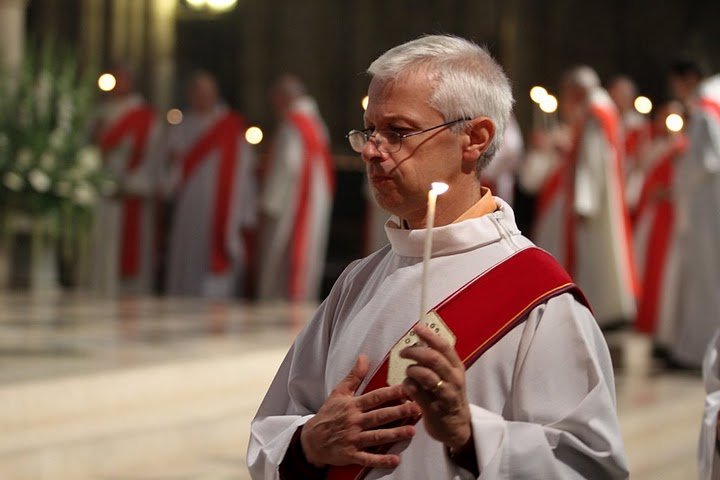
254 135
221 5
549 104
174 116
538 93
674 122
106 82
643 105
196 3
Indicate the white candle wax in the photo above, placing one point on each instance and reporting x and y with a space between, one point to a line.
429 221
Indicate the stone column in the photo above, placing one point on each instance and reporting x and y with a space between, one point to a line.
12 33
161 33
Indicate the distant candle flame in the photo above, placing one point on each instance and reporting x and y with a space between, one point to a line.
537 93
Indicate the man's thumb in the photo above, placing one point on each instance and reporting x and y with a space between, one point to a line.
353 379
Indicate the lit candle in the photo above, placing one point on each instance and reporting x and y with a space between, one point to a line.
436 188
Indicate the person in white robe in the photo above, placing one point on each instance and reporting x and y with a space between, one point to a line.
653 229
539 404
635 135
130 138
697 198
296 202
499 175
709 441
602 258
547 175
211 177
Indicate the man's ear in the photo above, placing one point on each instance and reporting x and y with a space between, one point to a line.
481 132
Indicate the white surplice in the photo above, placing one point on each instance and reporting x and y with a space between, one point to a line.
280 203
708 457
542 399
188 264
697 193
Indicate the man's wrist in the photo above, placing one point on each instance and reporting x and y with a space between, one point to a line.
305 449
295 464
464 455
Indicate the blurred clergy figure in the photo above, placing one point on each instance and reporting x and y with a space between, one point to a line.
297 198
128 134
214 196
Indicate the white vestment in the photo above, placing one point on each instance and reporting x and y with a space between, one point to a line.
141 182
189 269
697 190
604 264
281 203
708 458
542 399
545 174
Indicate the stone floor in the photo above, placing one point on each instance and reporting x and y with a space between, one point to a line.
164 389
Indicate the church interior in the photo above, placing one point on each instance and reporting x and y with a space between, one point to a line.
152 386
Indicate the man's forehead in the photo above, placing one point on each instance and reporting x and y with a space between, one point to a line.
400 98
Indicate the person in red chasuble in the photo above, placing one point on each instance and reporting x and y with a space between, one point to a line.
128 133
214 196
505 374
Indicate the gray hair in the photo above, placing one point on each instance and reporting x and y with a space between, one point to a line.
468 82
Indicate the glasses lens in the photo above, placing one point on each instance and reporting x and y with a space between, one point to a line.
357 140
391 142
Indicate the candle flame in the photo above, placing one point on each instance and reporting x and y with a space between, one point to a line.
439 187
537 93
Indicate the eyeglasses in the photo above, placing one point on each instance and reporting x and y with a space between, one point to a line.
387 141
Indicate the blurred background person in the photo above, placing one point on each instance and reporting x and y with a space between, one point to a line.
499 175
709 445
129 136
635 133
213 199
697 198
600 251
655 252
297 197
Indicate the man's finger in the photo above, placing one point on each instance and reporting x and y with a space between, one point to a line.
383 416
374 438
352 381
375 460
435 342
381 396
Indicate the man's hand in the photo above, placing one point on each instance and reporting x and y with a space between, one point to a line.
437 384
346 425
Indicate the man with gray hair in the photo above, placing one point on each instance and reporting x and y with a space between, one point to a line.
507 376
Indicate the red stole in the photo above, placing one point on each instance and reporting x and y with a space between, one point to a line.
482 311
710 106
134 125
316 156
223 136
659 179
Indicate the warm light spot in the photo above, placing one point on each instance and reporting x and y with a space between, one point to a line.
364 102
174 116
221 5
538 93
674 122
107 82
643 105
439 187
196 3
549 104
253 135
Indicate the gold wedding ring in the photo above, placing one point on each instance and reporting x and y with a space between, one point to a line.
437 386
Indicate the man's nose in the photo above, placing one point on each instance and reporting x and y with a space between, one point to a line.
371 151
